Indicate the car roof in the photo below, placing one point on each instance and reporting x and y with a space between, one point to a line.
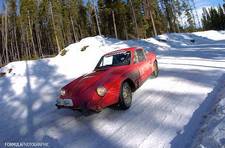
123 50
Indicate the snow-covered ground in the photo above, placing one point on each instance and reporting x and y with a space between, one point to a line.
212 131
166 112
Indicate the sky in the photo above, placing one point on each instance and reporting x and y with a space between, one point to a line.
1 5
207 3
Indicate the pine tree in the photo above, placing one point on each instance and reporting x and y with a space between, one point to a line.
224 5
190 23
13 29
117 25
92 27
119 11
46 33
56 21
196 14
66 28
148 10
221 20
213 18
28 17
74 15
5 33
170 16
82 19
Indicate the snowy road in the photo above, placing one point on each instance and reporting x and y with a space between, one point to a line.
166 111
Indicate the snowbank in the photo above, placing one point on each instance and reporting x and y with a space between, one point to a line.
212 131
77 62
212 35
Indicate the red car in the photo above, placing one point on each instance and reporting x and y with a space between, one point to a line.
116 76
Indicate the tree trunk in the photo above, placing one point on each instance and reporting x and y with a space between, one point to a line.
74 33
81 34
96 17
196 14
53 22
28 45
13 54
3 41
78 30
17 48
6 33
151 17
175 20
114 24
38 40
125 30
134 18
31 33
23 36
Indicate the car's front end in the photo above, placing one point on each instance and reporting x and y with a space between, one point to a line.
94 91
81 94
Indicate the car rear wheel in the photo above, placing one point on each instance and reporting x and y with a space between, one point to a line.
125 96
155 69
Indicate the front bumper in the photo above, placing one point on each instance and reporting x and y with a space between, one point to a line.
72 104
64 102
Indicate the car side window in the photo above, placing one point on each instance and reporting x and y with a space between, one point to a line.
139 54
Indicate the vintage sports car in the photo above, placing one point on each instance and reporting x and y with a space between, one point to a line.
116 76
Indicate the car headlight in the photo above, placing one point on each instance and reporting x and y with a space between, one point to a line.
101 91
62 92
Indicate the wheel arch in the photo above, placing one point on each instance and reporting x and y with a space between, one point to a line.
131 83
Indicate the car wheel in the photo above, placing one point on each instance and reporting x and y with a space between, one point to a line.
155 69
125 96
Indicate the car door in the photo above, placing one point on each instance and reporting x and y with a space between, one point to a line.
140 63
148 64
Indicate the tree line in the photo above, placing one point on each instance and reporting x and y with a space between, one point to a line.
32 29
214 18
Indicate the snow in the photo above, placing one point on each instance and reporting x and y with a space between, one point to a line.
212 131
166 111
212 35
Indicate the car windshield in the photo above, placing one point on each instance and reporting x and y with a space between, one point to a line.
115 59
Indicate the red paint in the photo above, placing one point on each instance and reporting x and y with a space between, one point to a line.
83 92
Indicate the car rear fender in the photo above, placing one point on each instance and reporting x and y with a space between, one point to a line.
151 56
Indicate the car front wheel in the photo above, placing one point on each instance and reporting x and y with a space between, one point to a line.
125 96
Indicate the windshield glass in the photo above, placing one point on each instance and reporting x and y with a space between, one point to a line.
115 59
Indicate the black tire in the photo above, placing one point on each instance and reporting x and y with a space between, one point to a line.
156 69
125 96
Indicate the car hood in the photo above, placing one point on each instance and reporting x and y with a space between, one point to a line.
96 78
